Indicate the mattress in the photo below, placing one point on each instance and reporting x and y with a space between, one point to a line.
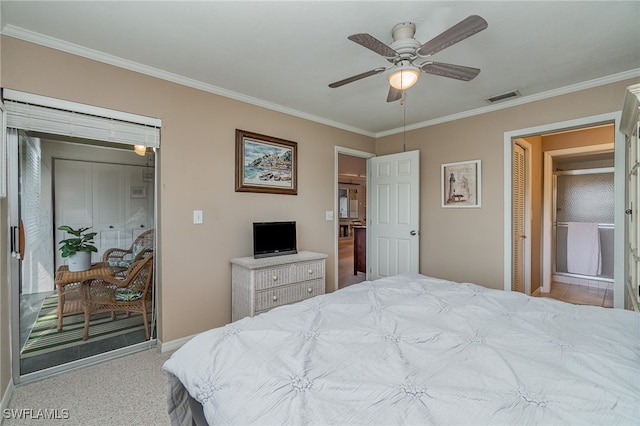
414 350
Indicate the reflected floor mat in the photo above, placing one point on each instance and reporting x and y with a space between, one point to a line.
45 337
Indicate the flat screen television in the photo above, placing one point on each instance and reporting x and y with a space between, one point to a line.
274 239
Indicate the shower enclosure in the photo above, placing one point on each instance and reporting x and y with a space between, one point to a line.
585 195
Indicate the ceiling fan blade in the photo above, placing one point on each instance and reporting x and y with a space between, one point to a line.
372 43
458 72
463 29
357 77
394 94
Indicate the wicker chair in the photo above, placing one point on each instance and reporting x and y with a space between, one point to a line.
120 259
109 294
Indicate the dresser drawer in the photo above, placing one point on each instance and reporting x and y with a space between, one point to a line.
268 299
287 274
309 270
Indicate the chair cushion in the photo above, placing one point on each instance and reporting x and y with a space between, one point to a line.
137 248
127 295
120 263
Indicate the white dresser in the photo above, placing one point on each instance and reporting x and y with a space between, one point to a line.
258 285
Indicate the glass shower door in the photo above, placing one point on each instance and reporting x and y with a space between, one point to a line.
585 196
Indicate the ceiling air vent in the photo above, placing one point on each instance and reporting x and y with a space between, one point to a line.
503 96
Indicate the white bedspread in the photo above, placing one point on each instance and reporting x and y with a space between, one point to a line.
417 350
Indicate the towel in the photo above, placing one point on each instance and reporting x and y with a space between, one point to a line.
583 249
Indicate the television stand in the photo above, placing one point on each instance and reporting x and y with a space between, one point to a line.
258 285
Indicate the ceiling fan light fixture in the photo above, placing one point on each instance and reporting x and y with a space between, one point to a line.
404 78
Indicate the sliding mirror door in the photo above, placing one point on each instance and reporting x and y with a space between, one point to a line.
58 181
78 166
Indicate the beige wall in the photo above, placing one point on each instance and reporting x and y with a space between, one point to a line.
196 167
467 244
579 138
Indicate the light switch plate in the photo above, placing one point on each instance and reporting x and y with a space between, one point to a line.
329 214
197 217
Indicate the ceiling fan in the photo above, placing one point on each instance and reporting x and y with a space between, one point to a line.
406 55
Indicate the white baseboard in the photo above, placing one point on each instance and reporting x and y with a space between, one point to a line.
174 344
8 393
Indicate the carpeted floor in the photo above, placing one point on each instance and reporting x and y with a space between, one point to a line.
130 390
45 337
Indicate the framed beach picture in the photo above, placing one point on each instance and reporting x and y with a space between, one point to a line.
461 184
266 164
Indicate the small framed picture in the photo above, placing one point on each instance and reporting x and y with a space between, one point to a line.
461 184
266 164
138 192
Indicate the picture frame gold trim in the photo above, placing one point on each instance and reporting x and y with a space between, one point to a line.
266 164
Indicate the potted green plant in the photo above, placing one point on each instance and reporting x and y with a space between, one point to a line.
79 248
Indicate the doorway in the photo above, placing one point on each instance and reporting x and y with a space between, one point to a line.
579 239
45 191
352 219
593 134
351 215
49 195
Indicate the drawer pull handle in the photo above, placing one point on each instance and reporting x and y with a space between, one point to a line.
309 290
275 298
310 271
275 278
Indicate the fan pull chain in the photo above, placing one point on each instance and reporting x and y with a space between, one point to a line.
404 120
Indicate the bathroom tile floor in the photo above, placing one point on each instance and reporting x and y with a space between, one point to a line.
579 294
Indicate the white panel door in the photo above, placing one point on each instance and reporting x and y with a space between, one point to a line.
73 192
109 207
94 195
393 224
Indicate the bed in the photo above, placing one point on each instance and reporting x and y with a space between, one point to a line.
413 350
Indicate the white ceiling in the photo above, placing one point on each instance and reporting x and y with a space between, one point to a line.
283 55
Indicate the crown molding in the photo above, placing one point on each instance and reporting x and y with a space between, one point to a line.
74 49
518 101
40 39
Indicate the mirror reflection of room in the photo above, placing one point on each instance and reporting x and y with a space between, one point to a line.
352 191
102 187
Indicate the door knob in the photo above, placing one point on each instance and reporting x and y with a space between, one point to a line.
413 232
